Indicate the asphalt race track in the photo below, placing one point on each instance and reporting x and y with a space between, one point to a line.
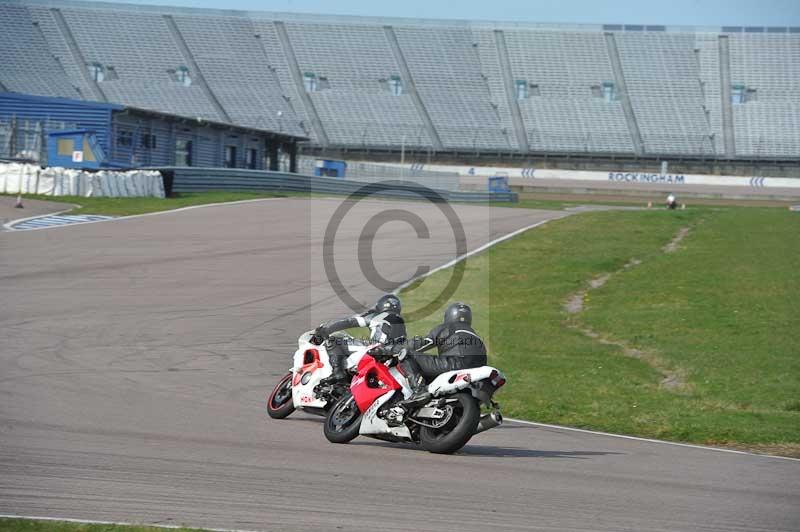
31 208
135 356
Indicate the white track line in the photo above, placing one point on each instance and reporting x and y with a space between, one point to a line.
192 207
122 523
648 440
10 225
467 255
573 429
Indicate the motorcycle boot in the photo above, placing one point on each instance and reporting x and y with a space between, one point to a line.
420 394
337 353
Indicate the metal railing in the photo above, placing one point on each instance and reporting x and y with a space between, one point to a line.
367 172
191 179
26 140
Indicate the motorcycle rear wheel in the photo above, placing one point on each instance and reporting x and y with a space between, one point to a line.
343 420
457 431
279 402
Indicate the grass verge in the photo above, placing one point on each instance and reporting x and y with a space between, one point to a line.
720 313
131 206
528 201
35 525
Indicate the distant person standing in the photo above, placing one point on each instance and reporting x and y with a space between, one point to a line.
672 201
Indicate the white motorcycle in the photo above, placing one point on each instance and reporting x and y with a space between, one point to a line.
443 425
300 388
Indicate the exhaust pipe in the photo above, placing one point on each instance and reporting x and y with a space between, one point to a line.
489 421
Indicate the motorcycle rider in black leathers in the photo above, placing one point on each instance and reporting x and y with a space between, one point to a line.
386 327
459 347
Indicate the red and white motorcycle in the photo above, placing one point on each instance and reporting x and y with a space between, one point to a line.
300 388
443 425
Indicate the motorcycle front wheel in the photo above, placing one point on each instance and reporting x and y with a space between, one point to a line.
343 420
279 402
458 429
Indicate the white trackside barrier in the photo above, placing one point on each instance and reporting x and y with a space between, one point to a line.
614 176
30 179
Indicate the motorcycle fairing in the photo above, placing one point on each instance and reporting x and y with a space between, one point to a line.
356 355
372 424
453 381
312 360
372 381
402 380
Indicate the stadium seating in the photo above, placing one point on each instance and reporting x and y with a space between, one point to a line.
44 20
491 70
279 65
142 51
446 73
27 63
768 125
707 47
356 107
565 116
238 72
450 86
663 80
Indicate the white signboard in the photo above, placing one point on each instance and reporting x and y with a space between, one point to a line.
618 177
77 157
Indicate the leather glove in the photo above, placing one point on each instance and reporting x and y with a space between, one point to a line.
379 353
320 333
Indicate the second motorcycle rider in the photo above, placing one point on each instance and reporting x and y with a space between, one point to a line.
385 324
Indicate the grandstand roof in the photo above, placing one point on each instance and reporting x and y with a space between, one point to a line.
401 21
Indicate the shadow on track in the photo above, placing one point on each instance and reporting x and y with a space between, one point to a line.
516 452
490 451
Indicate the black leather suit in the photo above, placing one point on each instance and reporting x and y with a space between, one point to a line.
386 328
459 347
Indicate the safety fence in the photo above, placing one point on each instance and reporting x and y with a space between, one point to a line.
26 140
186 179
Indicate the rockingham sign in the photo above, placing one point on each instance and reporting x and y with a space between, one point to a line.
631 177
655 178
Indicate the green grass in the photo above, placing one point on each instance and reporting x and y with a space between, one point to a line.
131 206
553 205
32 525
722 312
527 201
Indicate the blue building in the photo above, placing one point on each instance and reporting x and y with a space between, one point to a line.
130 137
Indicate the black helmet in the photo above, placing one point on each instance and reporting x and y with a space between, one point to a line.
388 303
458 313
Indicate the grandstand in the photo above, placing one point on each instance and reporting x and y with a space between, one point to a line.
445 88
